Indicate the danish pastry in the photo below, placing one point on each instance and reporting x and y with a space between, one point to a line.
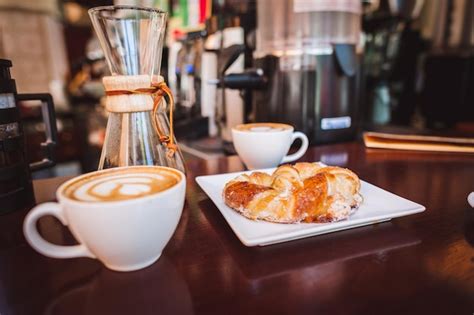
304 192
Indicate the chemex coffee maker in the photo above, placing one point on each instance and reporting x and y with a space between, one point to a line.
16 190
138 129
306 67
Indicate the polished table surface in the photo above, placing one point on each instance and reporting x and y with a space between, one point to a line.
419 264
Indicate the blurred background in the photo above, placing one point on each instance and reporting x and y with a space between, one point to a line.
330 68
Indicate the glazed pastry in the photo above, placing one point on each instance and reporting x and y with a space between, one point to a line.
304 192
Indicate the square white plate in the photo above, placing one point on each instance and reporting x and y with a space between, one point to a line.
379 205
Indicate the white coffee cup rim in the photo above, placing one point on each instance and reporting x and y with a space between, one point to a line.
288 128
60 196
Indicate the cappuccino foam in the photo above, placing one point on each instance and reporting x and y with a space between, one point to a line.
122 184
263 127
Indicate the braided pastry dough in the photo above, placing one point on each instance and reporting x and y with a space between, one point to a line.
305 192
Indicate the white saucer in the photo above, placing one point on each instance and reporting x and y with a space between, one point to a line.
379 205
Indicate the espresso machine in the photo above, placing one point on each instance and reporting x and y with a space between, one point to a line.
306 67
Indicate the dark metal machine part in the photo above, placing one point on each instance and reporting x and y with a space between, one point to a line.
321 99
331 92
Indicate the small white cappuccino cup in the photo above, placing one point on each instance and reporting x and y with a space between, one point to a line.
265 145
122 216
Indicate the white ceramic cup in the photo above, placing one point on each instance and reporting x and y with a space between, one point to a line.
265 145
125 235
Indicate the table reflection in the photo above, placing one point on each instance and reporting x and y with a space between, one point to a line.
156 289
270 261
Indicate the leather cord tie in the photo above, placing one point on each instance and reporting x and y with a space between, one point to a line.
156 91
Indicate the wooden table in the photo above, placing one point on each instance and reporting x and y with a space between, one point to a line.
419 264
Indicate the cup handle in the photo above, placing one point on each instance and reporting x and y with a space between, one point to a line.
40 244
301 151
49 118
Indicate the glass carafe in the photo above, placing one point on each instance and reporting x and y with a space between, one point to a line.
138 129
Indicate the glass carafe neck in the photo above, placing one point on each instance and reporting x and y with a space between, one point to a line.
131 38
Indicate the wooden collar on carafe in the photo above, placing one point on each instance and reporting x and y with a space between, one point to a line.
131 93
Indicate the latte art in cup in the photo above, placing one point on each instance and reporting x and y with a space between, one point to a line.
263 127
121 185
121 216
264 145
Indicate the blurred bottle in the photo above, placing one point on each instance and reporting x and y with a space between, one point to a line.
209 73
233 103
188 73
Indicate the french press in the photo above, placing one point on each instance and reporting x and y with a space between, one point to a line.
16 190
